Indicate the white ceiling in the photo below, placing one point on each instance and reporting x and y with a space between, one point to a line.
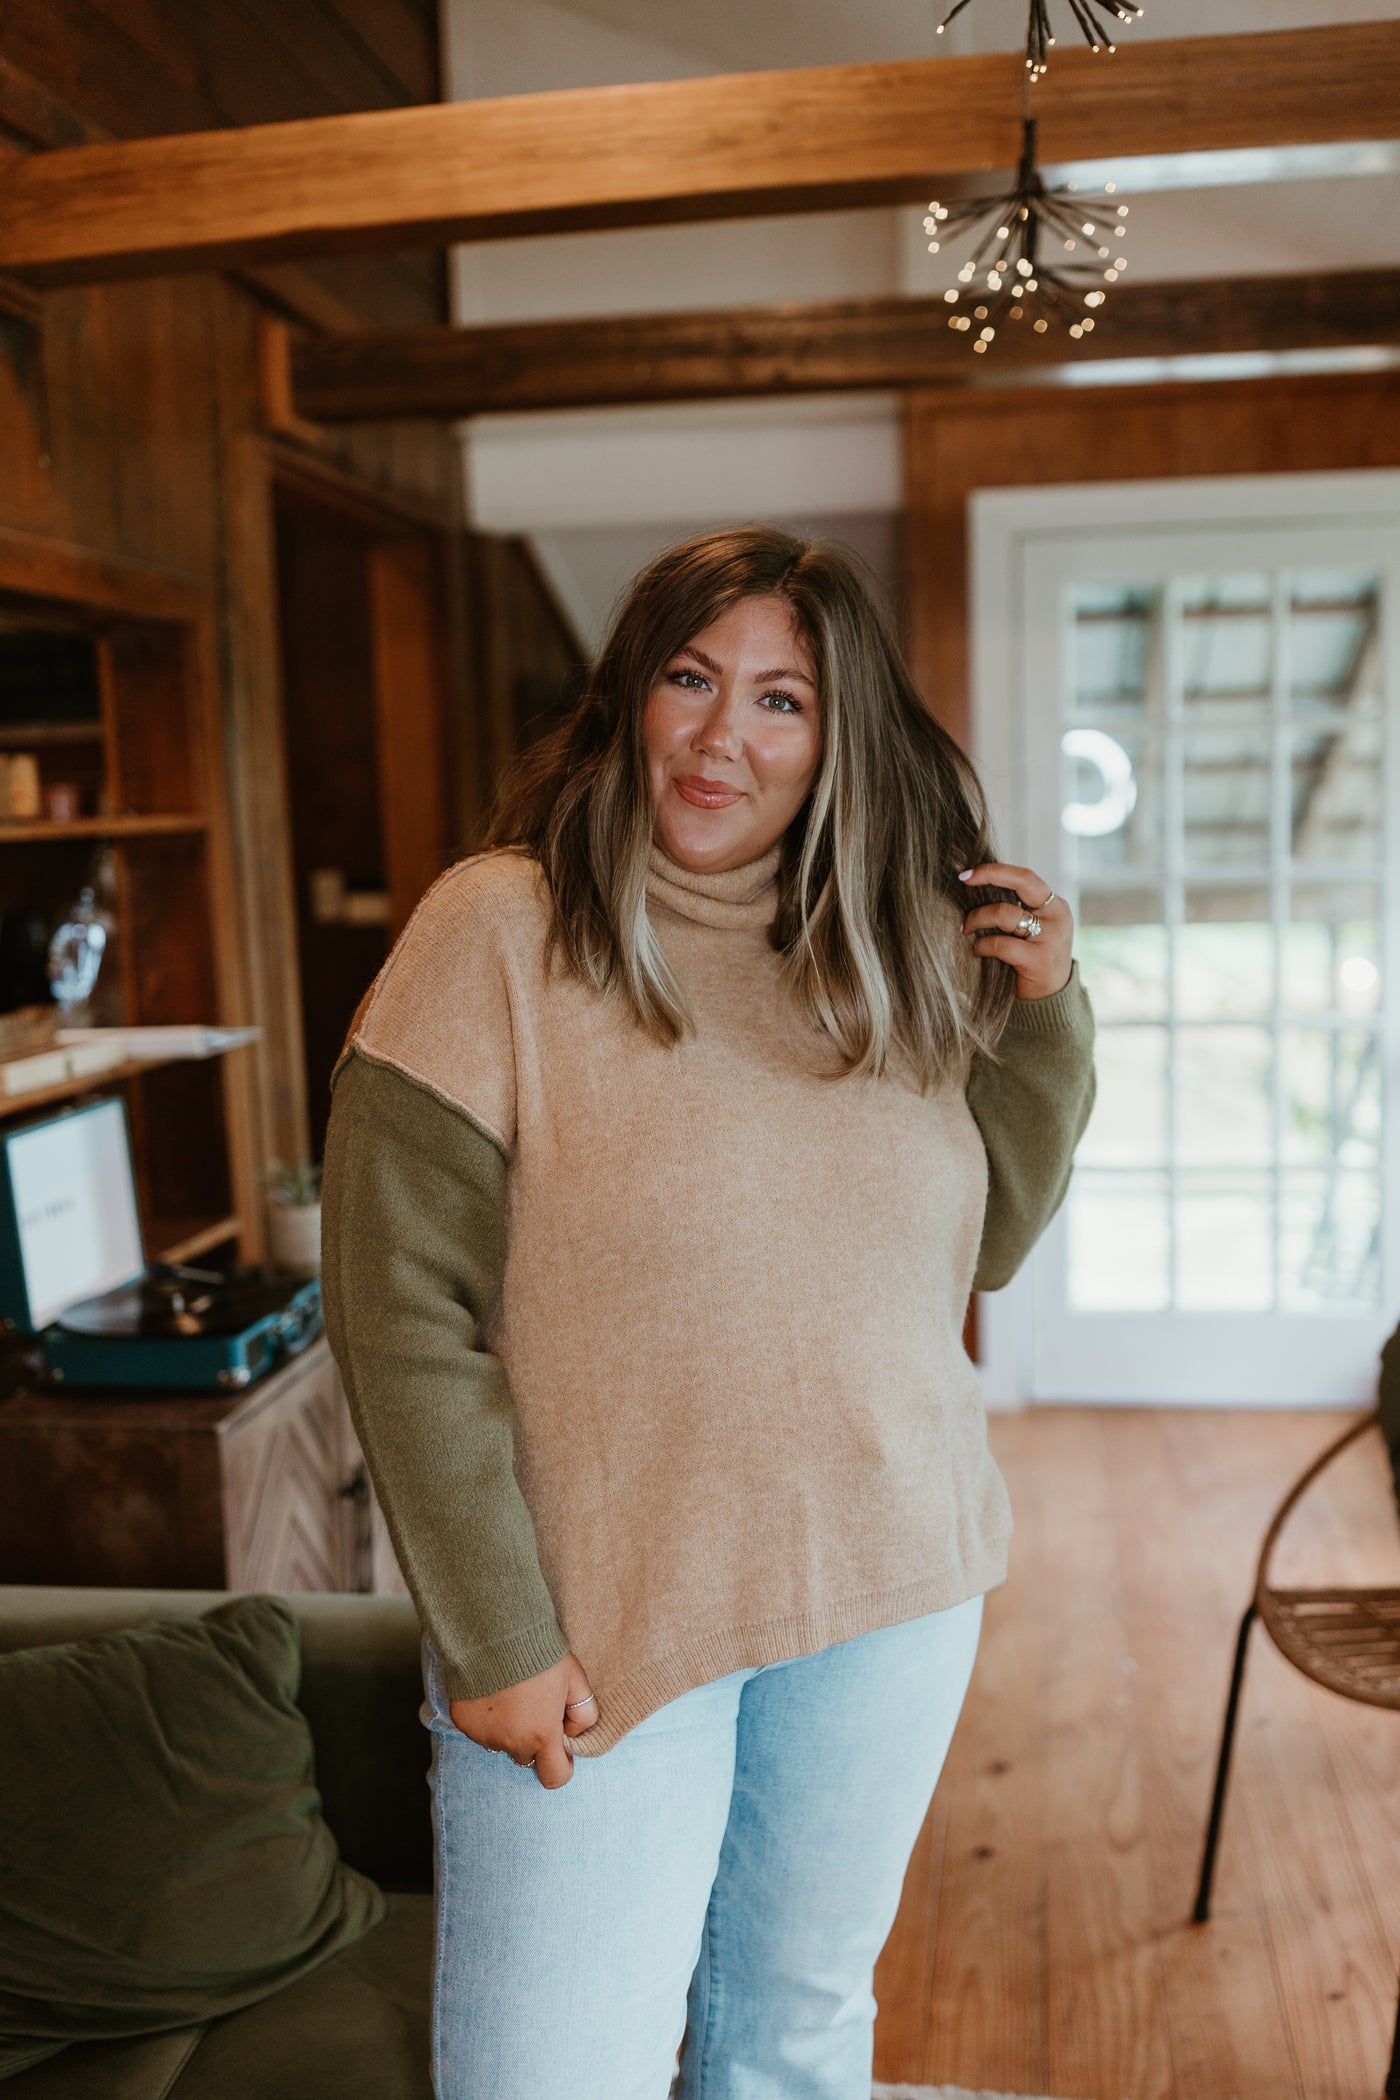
729 36
648 472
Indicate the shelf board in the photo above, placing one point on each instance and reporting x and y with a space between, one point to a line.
185 1239
32 830
93 1082
19 736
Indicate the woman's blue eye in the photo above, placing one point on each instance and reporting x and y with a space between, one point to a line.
680 677
791 707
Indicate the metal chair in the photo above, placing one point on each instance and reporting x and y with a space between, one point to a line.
1345 1639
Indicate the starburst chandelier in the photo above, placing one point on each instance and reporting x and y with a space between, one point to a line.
1025 236
1092 17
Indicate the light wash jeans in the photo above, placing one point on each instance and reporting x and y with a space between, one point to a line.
731 1869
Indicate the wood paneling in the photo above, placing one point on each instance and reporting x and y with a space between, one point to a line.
957 443
132 432
410 706
1044 1942
811 139
816 348
530 660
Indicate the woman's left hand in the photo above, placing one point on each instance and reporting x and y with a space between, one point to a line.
1042 966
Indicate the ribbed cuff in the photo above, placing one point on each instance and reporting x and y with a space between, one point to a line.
477 1672
1066 1012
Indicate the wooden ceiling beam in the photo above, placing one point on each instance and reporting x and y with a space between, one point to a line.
855 343
711 148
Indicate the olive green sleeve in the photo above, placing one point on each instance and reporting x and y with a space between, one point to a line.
413 1251
1031 1103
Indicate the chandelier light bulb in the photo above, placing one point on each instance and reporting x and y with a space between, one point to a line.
1010 239
1092 17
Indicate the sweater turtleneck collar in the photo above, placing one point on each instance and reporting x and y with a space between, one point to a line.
728 897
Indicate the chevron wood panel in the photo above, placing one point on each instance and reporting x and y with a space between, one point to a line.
293 1519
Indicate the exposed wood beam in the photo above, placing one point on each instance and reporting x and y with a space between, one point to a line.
808 140
853 343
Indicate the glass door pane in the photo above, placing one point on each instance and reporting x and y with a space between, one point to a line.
1210 728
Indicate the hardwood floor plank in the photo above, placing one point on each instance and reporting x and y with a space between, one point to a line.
985 2019
1043 1945
1186 1578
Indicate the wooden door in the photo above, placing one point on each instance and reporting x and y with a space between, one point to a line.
365 706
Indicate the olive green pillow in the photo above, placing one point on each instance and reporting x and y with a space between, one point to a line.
163 1857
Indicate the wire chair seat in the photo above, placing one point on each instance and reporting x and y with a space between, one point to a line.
1345 1639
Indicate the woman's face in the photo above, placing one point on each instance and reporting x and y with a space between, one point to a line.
733 737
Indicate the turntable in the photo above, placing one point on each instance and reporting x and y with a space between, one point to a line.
73 1272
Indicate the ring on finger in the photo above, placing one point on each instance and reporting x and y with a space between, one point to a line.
1028 926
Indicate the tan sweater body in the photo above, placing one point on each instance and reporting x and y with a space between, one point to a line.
745 1425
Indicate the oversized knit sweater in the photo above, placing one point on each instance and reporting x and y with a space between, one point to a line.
655 1351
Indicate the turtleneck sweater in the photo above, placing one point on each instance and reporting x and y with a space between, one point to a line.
655 1351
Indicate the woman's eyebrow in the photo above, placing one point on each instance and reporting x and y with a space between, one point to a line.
787 671
761 677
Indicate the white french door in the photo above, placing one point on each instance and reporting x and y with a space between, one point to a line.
1187 714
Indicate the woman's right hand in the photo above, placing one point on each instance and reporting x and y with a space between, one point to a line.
528 1720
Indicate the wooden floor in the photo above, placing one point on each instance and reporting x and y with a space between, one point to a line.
1042 1945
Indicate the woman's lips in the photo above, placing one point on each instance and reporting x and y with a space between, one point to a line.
705 794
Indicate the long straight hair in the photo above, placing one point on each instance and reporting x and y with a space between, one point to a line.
869 908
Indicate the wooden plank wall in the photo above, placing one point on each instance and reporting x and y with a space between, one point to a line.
530 660
131 420
1031 437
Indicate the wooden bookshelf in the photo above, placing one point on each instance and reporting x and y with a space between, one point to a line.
98 1082
128 728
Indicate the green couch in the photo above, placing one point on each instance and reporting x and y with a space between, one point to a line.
357 2027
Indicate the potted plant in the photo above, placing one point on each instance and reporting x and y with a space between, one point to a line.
294 1215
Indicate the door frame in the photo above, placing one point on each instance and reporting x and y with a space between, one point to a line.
1001 522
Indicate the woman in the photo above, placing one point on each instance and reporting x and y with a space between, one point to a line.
664 1153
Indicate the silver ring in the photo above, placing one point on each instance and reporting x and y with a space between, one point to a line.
572 1703
1028 926
1046 900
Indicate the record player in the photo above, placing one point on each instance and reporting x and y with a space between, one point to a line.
73 1272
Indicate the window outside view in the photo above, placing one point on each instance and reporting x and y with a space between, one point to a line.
1223 818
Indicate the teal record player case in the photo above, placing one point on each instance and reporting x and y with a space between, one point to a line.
73 1272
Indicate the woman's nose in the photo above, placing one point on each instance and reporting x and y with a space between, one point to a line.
719 731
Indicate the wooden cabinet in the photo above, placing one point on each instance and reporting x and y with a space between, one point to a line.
265 1491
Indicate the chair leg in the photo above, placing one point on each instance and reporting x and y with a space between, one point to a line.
1222 1778
1392 2083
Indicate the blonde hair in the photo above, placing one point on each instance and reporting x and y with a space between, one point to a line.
869 911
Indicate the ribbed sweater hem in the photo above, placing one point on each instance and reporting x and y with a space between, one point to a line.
713 1655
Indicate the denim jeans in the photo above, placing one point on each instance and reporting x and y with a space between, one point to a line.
730 1869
